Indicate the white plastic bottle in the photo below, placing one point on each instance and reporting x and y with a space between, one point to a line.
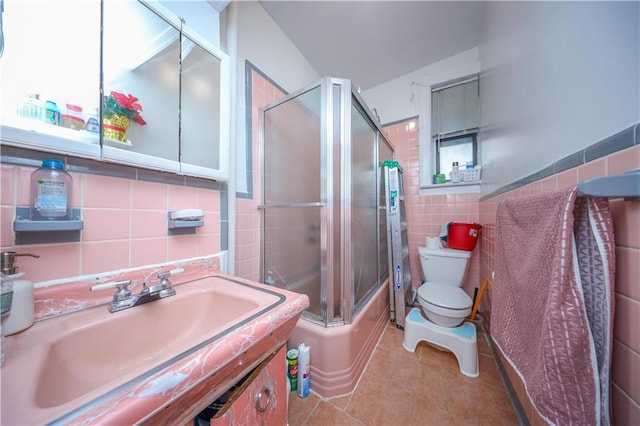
304 369
6 301
51 192
21 315
455 173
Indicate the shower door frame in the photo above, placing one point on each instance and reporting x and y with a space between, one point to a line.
335 131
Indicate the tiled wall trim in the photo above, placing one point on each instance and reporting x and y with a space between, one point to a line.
30 158
249 68
224 216
248 99
617 142
622 140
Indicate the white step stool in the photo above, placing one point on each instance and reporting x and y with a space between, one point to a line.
460 340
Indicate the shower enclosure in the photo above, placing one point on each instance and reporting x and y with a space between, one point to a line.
324 230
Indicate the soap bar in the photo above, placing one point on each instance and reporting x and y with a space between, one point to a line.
188 214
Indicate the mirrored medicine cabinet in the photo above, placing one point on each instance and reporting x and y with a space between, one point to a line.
146 91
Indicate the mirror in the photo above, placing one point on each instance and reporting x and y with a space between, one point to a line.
50 67
54 90
141 80
200 106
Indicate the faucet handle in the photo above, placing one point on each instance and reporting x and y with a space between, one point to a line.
166 274
122 293
165 288
121 285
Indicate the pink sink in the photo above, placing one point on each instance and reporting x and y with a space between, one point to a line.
63 363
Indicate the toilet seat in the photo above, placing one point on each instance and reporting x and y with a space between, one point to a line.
444 296
444 304
448 312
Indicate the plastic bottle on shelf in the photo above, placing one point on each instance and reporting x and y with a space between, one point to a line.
31 107
455 173
72 118
93 124
52 113
24 106
51 189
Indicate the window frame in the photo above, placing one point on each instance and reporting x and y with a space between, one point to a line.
451 72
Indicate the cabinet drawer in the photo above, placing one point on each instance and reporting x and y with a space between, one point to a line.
260 398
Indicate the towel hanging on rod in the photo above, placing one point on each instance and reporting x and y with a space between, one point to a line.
552 302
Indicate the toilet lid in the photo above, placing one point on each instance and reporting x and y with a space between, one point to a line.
446 296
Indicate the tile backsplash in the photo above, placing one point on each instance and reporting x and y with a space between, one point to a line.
125 224
625 393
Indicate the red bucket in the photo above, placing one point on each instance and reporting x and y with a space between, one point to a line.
463 236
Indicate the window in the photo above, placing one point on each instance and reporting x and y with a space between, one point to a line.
454 124
460 149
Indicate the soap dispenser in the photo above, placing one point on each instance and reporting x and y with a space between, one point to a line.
20 317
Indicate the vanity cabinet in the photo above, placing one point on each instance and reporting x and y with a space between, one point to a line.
261 399
173 82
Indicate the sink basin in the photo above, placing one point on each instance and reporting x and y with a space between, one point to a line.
84 356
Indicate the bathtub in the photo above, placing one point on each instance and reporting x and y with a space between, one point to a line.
339 354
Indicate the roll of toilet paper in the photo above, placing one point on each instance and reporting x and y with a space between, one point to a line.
434 243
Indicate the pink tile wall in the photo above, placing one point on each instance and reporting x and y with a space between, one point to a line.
125 225
625 388
426 213
247 263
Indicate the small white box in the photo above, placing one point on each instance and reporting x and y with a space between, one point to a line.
470 175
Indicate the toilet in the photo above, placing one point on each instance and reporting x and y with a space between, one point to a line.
443 271
445 306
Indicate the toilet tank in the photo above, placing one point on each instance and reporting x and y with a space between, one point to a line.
446 266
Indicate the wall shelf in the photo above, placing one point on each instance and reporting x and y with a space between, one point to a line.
183 227
46 231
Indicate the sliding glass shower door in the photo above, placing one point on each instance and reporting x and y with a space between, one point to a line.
292 203
323 233
364 204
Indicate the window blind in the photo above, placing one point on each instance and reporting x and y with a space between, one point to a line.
455 109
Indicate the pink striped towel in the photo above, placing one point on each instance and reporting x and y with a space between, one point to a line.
552 302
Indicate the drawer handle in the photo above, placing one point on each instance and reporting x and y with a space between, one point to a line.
263 400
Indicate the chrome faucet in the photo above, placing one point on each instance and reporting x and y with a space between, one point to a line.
124 299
